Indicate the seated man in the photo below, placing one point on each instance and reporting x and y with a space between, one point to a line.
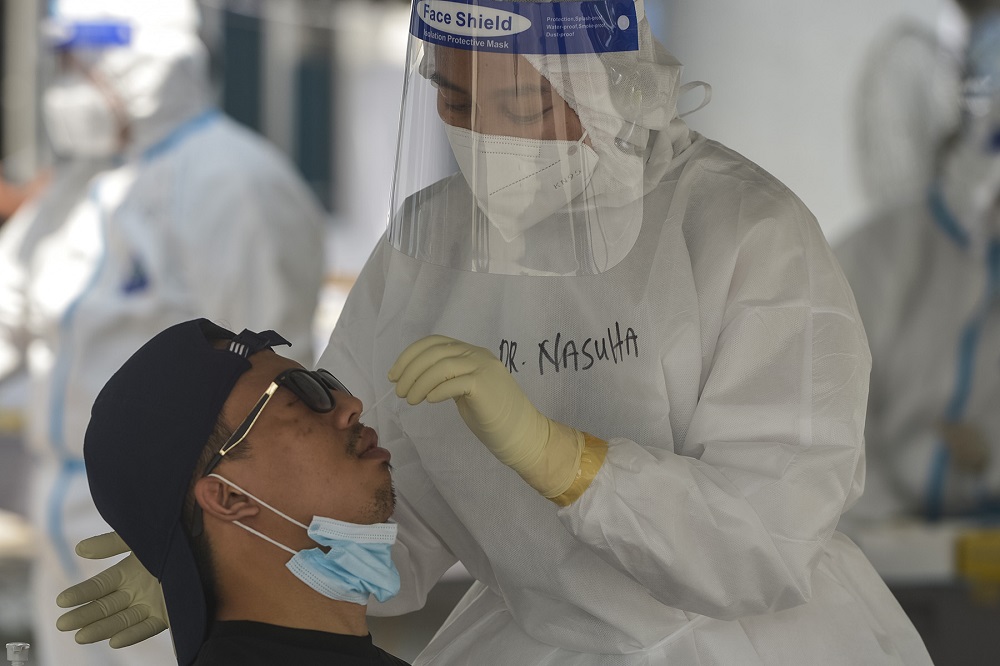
183 440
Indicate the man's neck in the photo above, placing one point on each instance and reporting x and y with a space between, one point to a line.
282 599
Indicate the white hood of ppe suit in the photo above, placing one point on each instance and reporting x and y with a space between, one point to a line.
641 89
161 77
638 88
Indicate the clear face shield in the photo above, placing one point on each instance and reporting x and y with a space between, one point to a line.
521 149
83 115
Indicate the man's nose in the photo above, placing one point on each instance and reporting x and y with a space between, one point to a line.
347 411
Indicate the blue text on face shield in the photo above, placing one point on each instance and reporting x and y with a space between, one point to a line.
587 26
431 14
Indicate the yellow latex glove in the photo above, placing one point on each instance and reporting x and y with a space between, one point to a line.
124 604
544 452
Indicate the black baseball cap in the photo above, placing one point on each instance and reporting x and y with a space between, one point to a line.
147 430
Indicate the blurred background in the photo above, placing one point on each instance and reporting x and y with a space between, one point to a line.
798 87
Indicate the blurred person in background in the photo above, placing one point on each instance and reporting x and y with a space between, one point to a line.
659 371
926 277
909 101
160 209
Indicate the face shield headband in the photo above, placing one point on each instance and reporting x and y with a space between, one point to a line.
93 34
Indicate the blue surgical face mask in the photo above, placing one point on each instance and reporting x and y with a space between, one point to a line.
357 566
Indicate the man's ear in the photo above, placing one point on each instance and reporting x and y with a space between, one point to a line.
222 501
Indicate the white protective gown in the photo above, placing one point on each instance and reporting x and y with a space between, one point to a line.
201 219
724 361
928 288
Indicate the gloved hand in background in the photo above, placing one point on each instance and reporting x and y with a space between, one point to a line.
124 604
546 453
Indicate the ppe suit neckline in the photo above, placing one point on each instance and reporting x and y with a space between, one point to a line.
178 134
946 221
977 240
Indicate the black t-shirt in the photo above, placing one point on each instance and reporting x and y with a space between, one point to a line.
246 643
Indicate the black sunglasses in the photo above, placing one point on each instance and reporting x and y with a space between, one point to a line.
313 387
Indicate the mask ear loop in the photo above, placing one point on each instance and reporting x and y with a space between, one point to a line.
576 144
687 87
257 499
266 538
252 530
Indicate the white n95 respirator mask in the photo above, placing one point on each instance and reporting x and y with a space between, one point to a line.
79 118
520 182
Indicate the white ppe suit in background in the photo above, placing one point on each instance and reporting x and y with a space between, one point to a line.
927 282
907 105
197 217
721 357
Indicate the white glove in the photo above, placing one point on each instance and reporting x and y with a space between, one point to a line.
544 452
124 603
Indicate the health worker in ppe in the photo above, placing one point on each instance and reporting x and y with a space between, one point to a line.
910 102
161 209
659 371
927 281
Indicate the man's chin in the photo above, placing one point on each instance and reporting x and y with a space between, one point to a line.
385 502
